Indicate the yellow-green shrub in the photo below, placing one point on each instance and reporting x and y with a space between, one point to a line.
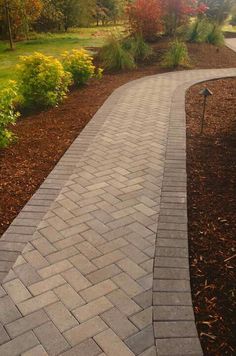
43 82
8 115
80 64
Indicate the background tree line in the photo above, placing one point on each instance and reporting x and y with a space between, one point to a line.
59 15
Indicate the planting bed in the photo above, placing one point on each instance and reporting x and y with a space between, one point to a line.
211 165
44 137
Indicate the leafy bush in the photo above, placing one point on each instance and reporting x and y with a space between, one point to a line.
138 47
145 18
8 115
42 81
80 64
177 55
115 57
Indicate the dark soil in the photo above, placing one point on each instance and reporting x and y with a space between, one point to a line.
44 137
211 166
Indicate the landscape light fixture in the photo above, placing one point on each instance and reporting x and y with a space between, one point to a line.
205 92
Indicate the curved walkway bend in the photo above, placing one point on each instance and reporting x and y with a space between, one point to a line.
84 283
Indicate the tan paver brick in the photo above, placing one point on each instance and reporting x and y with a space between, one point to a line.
98 290
36 303
17 291
84 331
76 279
92 309
60 316
112 344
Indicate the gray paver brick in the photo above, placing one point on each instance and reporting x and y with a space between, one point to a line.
179 347
51 339
124 303
119 323
103 274
18 345
8 311
88 348
141 341
36 351
111 344
27 323
173 329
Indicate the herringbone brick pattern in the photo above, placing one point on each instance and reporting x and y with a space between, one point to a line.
83 285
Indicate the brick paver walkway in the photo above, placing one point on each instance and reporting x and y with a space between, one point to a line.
231 43
84 285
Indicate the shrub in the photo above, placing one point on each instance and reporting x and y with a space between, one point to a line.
115 57
138 47
177 55
8 115
42 81
80 64
145 18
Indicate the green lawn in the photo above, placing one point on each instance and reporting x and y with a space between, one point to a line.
50 44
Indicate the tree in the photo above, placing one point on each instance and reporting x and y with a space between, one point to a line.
178 12
218 10
8 19
20 14
145 18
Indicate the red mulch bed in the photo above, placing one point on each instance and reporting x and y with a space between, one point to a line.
44 137
211 165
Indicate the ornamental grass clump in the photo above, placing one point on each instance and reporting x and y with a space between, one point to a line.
177 55
80 64
8 114
42 80
115 57
138 47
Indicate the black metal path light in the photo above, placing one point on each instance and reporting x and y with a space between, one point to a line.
205 92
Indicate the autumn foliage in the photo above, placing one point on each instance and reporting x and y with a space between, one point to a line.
177 13
145 17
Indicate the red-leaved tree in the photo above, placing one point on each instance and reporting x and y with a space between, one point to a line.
145 18
178 12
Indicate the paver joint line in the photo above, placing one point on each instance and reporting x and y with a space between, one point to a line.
106 271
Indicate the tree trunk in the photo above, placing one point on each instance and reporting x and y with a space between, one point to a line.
9 25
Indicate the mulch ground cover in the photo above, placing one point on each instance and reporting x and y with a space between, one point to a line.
44 137
211 166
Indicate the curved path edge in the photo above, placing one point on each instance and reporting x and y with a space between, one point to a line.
84 284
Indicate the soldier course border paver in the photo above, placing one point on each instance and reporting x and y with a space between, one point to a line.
102 247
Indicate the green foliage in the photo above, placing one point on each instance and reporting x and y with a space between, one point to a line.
8 115
138 47
198 31
80 64
42 81
216 36
233 20
205 31
115 57
177 55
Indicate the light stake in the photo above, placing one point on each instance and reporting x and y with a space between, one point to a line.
205 92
